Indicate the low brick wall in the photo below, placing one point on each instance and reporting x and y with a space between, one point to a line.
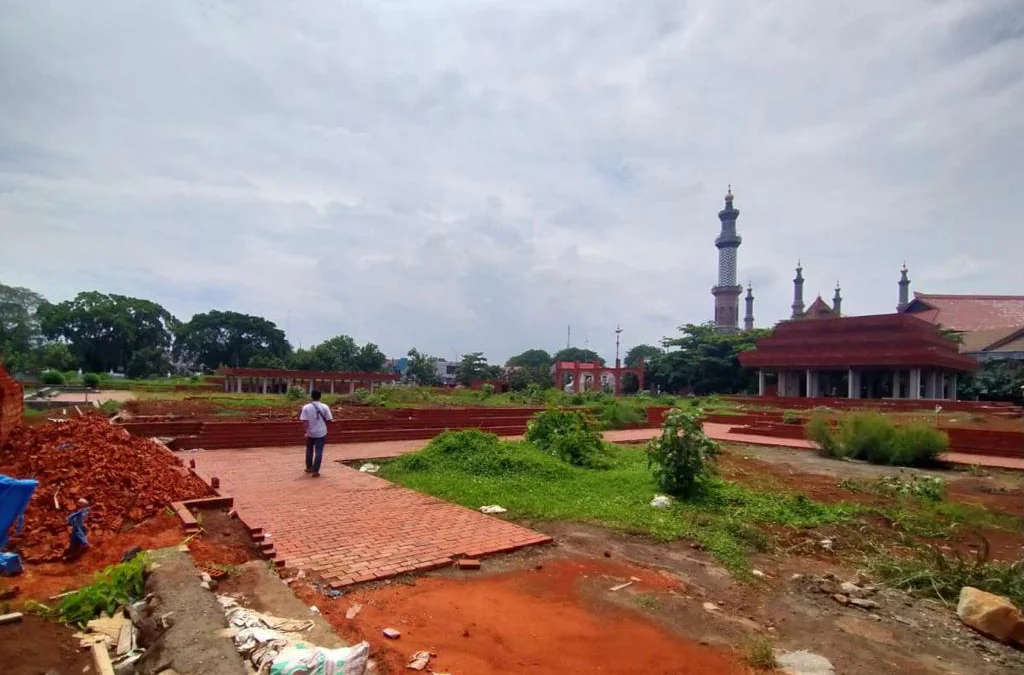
889 405
12 404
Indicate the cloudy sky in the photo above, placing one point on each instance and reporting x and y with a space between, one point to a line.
462 175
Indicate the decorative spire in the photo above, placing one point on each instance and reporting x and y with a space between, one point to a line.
727 292
837 301
798 292
748 319
728 193
904 284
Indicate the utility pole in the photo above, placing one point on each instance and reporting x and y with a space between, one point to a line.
586 345
618 330
568 336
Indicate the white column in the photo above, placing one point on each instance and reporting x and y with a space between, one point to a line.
332 386
238 385
351 387
264 383
952 387
311 386
760 381
227 384
809 383
915 383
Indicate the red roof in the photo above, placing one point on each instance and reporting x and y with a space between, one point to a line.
886 340
968 313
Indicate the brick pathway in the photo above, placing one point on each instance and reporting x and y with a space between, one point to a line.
349 527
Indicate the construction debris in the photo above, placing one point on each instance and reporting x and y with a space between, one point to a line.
493 509
621 586
86 462
10 618
391 634
419 661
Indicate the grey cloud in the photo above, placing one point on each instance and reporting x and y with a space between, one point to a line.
465 174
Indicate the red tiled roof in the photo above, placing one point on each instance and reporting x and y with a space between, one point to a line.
968 313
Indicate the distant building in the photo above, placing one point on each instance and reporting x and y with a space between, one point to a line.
446 370
989 326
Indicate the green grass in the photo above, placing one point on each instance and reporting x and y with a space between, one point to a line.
760 653
725 518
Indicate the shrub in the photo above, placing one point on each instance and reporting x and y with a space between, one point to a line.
683 455
615 414
819 430
488 389
295 394
91 380
569 435
114 587
478 453
52 378
918 444
790 417
873 437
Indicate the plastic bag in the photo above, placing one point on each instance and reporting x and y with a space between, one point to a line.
77 522
303 659
661 502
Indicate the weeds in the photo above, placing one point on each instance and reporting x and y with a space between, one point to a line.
648 601
760 653
114 587
934 573
569 435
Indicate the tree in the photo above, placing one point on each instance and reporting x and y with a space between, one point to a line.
265 360
50 356
216 338
340 354
531 358
648 353
577 354
369 359
474 367
19 326
422 369
706 361
148 361
104 331
997 380
523 377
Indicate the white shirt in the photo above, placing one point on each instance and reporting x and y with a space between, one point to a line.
316 426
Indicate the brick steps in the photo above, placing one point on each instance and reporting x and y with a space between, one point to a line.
222 439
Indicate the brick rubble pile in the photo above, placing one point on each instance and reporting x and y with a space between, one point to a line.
124 479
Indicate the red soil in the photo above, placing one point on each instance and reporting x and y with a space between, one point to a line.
124 479
539 621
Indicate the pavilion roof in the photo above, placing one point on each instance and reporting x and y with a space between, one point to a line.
968 313
885 340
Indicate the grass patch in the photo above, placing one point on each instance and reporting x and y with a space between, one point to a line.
936 574
473 469
760 653
872 436
648 601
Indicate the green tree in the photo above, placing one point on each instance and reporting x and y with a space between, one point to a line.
51 356
577 354
422 369
104 331
648 353
706 361
523 377
340 354
996 380
369 359
474 367
265 360
148 361
531 358
20 332
216 338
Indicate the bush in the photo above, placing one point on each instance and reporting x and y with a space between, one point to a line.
918 444
488 389
568 435
615 414
791 417
871 436
91 380
682 457
114 587
295 394
478 453
52 378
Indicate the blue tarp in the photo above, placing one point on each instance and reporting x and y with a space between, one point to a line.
77 522
14 497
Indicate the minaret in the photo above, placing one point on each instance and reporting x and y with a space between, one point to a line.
904 290
727 292
837 302
798 292
748 320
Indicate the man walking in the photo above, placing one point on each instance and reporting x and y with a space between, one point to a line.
315 416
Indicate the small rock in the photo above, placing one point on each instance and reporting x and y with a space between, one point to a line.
419 661
826 544
841 599
990 614
855 591
391 634
314 609
796 577
759 574
803 663
353 611
710 607
863 603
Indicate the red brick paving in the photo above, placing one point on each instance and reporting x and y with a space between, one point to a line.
349 527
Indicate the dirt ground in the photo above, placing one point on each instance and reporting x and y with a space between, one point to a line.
549 615
552 610
36 646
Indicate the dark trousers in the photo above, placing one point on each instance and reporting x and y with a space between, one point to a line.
313 462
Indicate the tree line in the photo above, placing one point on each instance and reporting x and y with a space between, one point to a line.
98 332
